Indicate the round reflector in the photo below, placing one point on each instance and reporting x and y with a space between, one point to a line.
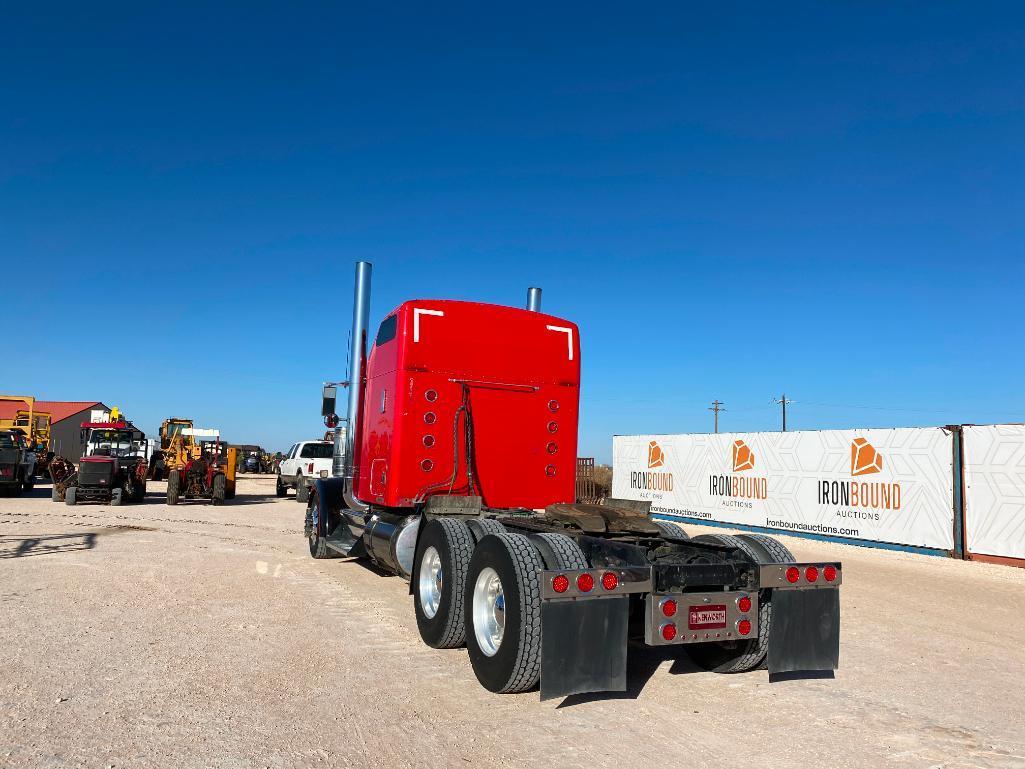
431 396
428 441
553 406
560 583
744 603
553 427
553 447
829 573
669 607
811 574
585 583
550 471
793 574
669 631
427 465
609 580
430 417
744 627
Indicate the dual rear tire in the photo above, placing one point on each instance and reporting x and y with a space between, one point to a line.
487 596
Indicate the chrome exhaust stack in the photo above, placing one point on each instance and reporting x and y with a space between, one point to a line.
534 299
357 373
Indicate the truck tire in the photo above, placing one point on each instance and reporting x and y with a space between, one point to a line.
116 497
773 550
280 489
559 552
671 530
439 575
70 496
302 491
503 613
173 482
217 489
318 544
736 656
481 527
54 494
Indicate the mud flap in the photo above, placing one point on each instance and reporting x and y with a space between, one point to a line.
805 632
583 646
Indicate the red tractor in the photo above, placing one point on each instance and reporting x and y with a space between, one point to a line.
113 469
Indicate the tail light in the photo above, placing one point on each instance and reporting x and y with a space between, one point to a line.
310 468
585 583
744 603
829 574
811 574
793 574
668 607
609 580
560 583
668 631
744 627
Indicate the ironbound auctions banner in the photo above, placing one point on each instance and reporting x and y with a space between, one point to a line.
882 485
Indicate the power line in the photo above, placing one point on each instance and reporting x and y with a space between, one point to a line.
716 407
782 401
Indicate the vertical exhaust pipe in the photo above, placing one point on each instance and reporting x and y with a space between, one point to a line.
357 373
534 299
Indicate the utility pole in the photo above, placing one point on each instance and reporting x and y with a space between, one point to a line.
715 408
782 401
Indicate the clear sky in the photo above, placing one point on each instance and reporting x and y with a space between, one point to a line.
733 201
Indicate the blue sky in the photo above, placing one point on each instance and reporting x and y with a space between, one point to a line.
732 201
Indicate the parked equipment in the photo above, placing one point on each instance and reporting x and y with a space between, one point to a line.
36 426
113 468
209 474
462 425
17 462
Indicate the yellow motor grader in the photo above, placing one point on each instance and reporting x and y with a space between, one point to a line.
194 461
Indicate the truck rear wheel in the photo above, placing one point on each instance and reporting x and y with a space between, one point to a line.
173 481
503 613
736 656
302 491
280 489
443 556
559 552
217 489
671 530
481 527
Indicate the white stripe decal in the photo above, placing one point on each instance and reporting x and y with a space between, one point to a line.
569 336
417 312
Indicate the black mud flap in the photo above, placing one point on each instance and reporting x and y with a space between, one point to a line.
583 646
805 632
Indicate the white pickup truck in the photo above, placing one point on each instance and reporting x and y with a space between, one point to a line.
304 462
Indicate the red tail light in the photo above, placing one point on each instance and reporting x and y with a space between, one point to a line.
609 580
310 468
669 607
811 574
829 574
669 631
793 574
585 583
560 583
744 603
744 627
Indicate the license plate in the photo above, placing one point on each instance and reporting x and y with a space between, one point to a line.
707 617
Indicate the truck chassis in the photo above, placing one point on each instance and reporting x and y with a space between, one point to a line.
556 597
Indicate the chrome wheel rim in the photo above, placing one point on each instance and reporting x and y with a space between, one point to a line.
488 611
431 581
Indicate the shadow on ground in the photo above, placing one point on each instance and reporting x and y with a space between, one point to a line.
20 546
641 664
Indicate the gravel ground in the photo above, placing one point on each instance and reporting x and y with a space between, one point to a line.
152 636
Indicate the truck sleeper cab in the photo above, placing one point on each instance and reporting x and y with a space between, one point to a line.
460 478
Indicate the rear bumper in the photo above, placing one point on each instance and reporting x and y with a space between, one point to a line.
584 632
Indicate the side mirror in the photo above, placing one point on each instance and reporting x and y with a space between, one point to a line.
327 407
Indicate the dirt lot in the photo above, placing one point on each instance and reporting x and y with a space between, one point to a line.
152 636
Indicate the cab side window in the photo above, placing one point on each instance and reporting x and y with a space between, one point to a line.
387 330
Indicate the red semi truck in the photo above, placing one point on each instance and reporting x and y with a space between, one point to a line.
457 473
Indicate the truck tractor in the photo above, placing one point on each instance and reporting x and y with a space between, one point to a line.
458 475
17 462
208 473
112 470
